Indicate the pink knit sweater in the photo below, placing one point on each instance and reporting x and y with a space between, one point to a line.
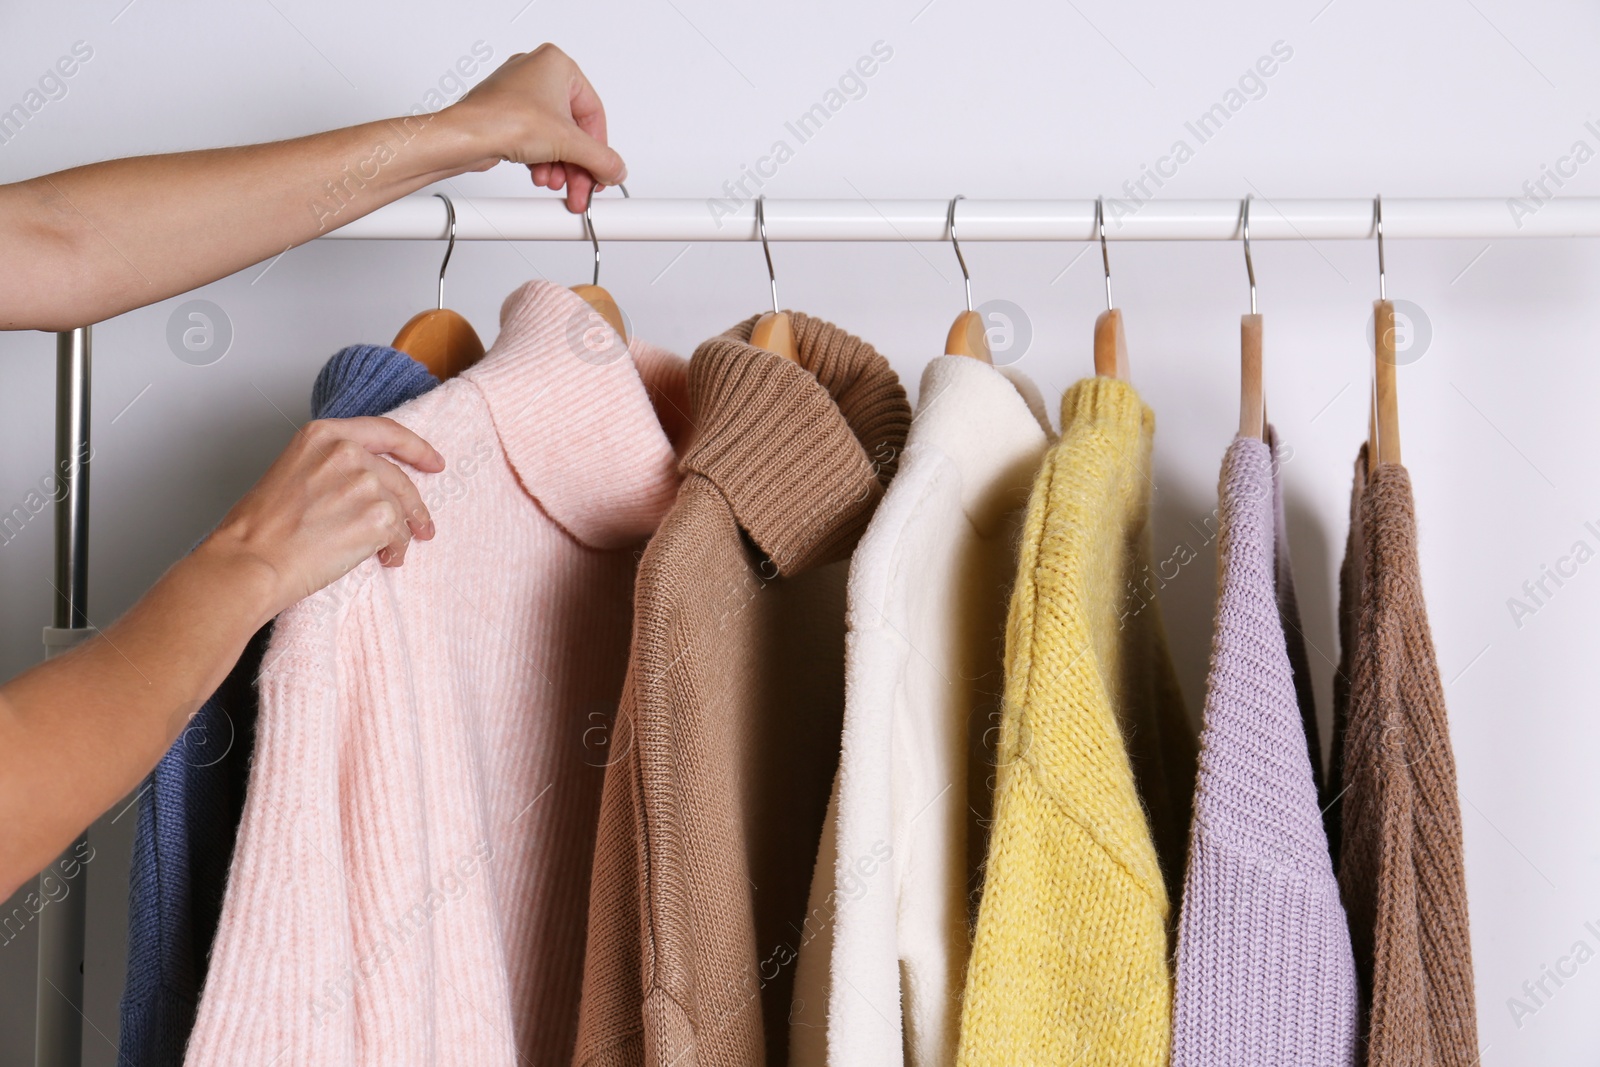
410 883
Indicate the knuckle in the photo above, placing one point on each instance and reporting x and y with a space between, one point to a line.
362 485
345 451
383 514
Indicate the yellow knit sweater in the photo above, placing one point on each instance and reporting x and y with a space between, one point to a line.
1070 959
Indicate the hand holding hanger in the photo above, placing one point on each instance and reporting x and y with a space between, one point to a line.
190 218
561 137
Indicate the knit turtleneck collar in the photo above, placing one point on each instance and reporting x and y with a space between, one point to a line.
801 451
575 418
359 379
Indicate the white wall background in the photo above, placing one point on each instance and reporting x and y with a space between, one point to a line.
1010 98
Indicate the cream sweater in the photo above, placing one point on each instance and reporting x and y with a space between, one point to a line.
880 982
410 883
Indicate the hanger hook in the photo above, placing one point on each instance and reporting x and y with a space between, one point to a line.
761 225
1377 219
1376 423
588 226
450 216
1105 257
1249 264
965 277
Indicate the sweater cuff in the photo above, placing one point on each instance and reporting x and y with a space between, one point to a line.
1109 402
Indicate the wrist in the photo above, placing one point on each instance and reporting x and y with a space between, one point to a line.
466 137
243 577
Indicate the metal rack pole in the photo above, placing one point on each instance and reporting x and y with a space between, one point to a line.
638 219
58 1021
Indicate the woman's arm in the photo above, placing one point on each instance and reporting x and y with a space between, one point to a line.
85 244
78 731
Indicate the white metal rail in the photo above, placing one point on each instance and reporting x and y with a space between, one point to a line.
616 219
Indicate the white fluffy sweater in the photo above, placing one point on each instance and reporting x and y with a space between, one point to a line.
881 965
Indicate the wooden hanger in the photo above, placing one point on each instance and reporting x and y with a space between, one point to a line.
773 331
1252 395
440 339
968 336
1252 398
597 297
1110 343
1383 417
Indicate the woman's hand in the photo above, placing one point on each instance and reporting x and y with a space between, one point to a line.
80 730
539 110
85 244
326 504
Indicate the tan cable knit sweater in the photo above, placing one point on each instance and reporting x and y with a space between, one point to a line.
728 734
1400 856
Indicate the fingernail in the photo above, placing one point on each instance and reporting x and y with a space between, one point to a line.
427 530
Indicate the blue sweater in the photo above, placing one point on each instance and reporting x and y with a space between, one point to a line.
192 802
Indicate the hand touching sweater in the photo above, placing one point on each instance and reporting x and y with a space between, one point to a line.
410 882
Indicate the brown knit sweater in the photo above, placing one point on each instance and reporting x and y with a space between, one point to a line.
1400 857
728 734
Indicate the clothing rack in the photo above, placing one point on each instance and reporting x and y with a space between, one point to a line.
59 1018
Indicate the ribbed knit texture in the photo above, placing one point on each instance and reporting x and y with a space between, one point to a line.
367 380
1265 975
728 733
1070 961
1401 867
190 807
928 589
410 881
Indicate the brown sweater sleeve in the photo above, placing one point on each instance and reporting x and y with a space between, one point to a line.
1401 867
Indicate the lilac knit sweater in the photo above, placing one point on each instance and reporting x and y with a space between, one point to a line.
1265 972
